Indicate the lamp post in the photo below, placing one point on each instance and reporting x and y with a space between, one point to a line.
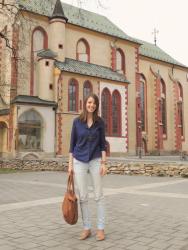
139 149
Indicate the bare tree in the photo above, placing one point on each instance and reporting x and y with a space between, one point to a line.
12 22
8 13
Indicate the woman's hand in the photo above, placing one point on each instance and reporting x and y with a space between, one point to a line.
103 170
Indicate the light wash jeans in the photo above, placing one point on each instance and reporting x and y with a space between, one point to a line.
81 176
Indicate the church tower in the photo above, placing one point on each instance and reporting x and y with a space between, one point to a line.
56 51
58 31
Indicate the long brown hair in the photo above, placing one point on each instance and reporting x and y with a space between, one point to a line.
83 115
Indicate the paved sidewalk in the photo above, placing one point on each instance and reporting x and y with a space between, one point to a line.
143 213
154 159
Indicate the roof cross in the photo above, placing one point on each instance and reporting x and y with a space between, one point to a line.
155 32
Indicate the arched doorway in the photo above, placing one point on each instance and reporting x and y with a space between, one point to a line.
3 138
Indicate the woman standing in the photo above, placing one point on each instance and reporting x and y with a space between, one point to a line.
87 153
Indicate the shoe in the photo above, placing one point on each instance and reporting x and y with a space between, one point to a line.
85 234
100 235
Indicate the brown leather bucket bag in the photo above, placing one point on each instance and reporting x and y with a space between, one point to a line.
70 204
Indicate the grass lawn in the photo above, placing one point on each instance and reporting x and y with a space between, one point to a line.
9 170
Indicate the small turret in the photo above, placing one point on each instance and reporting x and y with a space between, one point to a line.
45 76
57 31
58 11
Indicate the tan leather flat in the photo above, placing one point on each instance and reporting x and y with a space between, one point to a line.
100 235
85 234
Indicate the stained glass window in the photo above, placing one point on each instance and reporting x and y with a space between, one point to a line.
87 90
116 114
73 92
105 108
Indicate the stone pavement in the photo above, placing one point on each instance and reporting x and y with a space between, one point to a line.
151 159
143 213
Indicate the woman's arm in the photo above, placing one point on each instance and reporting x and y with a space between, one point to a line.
72 145
103 170
70 167
103 158
73 138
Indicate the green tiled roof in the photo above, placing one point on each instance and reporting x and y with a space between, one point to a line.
153 51
47 53
4 111
90 69
76 16
35 100
97 23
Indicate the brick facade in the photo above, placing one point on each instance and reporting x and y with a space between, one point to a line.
158 112
158 117
138 112
59 116
126 121
178 139
113 58
14 63
1 46
138 102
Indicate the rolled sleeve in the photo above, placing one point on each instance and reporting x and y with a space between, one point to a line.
73 137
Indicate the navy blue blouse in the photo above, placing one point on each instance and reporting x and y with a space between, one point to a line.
86 142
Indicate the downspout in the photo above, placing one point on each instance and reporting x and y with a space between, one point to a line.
55 133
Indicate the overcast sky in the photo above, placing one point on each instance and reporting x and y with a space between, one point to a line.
138 18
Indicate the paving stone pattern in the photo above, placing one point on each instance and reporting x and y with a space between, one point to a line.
142 213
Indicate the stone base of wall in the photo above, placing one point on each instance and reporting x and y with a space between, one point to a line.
163 153
149 169
114 167
35 165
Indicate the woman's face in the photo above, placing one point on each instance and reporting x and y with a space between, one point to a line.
90 105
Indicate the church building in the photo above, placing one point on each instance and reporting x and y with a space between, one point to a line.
61 54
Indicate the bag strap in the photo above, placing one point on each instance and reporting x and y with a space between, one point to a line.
70 183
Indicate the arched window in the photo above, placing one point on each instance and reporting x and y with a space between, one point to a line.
180 107
142 102
105 109
39 42
180 92
116 113
73 95
87 89
163 107
83 51
29 131
120 61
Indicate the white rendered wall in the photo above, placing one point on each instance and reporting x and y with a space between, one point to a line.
118 144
